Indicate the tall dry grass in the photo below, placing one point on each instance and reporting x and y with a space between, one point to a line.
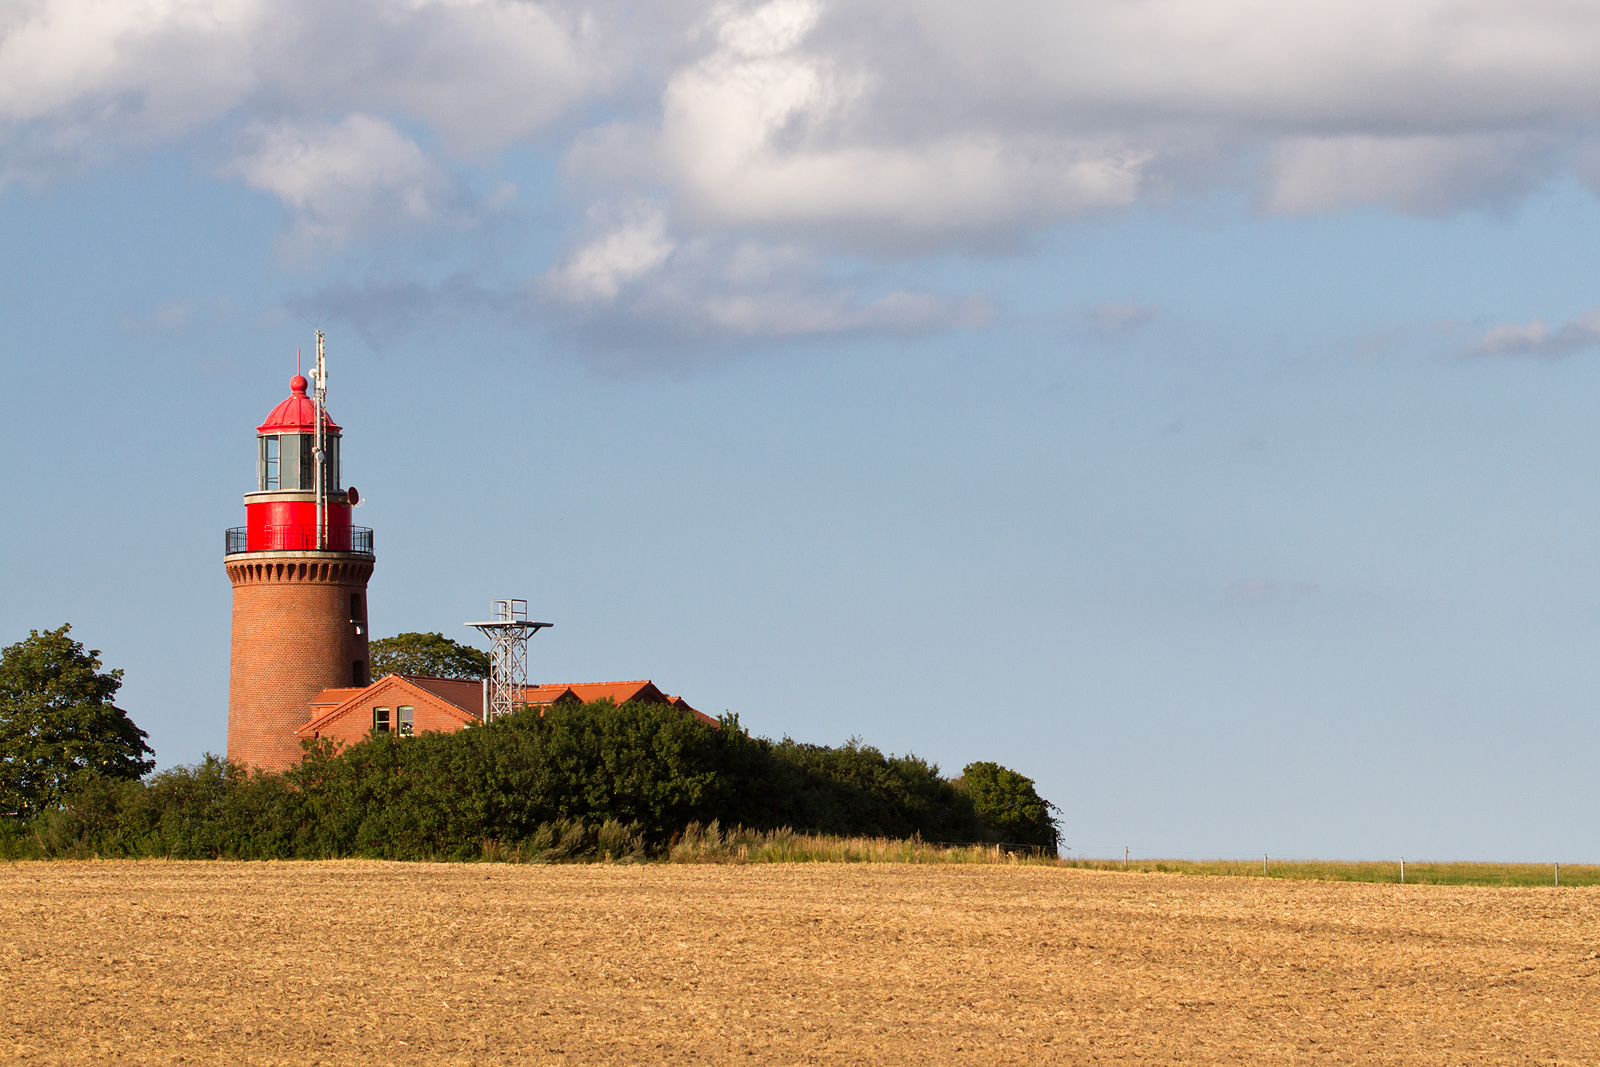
612 842
713 844
1486 874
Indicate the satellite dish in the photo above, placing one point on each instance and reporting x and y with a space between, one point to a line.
353 496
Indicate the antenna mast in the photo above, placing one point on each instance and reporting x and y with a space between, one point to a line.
320 376
508 632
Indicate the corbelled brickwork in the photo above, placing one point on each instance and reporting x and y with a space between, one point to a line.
294 635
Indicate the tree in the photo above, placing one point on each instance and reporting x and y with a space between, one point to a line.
1009 805
434 655
58 728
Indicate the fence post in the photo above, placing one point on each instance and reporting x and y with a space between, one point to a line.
1402 870
1124 857
1264 865
1558 874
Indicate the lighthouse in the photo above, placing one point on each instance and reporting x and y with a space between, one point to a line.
299 571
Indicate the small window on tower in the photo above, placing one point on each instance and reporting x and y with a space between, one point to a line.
405 721
380 720
269 464
358 672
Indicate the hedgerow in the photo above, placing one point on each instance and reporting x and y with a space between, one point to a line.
578 782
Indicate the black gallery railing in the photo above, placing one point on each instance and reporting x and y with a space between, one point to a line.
299 537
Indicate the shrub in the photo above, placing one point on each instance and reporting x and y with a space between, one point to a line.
1009 805
579 782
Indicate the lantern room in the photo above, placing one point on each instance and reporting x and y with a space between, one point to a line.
289 511
286 445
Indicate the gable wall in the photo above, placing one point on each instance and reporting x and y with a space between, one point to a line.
428 714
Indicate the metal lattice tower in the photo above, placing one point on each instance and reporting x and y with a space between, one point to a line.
508 632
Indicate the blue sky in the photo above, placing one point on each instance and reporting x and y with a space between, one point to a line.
1190 405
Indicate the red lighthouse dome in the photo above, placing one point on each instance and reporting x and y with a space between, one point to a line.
298 414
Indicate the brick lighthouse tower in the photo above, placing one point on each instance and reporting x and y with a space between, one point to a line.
299 572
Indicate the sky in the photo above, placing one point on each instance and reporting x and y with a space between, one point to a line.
1187 403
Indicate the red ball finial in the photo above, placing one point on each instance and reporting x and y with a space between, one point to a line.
298 385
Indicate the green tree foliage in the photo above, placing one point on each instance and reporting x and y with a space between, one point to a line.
579 781
59 730
1009 805
434 655
856 789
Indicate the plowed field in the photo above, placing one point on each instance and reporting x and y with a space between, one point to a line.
382 963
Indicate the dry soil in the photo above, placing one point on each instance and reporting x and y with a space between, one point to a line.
384 963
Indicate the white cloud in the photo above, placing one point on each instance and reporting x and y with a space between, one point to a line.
771 131
944 122
1537 339
913 116
1419 175
636 282
84 78
796 311
639 306
598 270
353 178
70 58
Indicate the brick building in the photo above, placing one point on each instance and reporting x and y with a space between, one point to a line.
409 704
299 663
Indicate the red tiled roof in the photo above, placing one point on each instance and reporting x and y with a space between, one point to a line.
467 695
683 705
545 695
464 693
643 691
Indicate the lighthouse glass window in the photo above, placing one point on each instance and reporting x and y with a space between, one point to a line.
269 464
289 461
331 470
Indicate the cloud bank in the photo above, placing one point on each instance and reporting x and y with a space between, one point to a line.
1538 340
767 136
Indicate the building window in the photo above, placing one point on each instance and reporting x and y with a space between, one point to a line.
358 612
269 464
380 720
406 720
358 672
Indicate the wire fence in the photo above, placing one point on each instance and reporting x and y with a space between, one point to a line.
1399 870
